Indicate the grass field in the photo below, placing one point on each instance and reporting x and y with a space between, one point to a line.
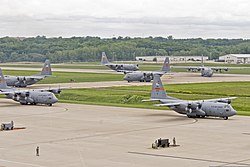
66 77
132 96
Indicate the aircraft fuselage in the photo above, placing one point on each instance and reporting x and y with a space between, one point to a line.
216 109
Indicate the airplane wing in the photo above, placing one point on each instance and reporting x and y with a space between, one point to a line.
194 68
125 71
227 99
38 77
223 100
159 73
5 93
219 69
168 104
52 90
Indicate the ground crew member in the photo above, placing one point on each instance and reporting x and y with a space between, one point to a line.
37 151
174 142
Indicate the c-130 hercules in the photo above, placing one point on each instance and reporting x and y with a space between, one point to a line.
147 76
23 81
118 67
192 108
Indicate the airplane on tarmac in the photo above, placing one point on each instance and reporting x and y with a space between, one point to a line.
23 81
147 76
118 67
36 96
207 71
192 108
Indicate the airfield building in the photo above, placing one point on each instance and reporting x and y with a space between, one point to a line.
172 58
235 58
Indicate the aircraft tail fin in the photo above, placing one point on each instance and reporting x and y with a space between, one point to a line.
166 65
158 91
3 84
46 68
104 59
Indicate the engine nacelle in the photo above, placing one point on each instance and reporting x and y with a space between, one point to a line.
29 100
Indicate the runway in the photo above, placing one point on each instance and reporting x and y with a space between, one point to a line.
86 135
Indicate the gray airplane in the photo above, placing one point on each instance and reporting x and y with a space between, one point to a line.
194 108
147 76
37 96
207 71
23 81
118 67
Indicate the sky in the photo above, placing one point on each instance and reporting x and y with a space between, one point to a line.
134 18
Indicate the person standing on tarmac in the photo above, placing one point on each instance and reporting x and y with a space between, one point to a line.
37 151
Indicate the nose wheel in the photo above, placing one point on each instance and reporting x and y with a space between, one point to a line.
225 118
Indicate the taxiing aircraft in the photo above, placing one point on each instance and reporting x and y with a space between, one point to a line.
23 81
192 108
37 96
147 76
207 71
118 67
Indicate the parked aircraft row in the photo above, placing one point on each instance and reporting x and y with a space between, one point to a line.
196 108
36 96
220 107
132 75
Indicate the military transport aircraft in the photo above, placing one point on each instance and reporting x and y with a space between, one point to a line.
147 76
23 81
192 108
207 71
118 67
37 96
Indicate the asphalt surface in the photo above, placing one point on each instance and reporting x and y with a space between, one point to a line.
86 135
173 78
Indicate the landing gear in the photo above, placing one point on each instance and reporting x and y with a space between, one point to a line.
23 103
225 118
49 104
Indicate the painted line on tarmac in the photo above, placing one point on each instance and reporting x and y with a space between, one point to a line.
186 158
21 163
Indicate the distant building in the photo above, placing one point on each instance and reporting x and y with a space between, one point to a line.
172 58
235 58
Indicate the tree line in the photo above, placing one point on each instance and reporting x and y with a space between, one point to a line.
87 49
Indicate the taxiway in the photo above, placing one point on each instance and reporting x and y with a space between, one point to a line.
86 135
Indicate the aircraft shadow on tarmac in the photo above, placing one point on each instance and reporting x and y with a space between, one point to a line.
180 117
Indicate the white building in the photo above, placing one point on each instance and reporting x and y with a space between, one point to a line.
236 58
173 58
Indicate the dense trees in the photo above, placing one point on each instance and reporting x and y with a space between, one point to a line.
80 49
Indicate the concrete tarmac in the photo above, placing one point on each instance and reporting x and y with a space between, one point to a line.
174 78
86 135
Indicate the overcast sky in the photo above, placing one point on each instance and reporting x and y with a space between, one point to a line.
135 18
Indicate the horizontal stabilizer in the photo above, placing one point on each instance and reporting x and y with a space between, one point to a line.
149 100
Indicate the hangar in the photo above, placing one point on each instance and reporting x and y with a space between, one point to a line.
235 58
172 58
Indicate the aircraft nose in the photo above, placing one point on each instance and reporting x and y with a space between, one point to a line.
55 100
234 112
